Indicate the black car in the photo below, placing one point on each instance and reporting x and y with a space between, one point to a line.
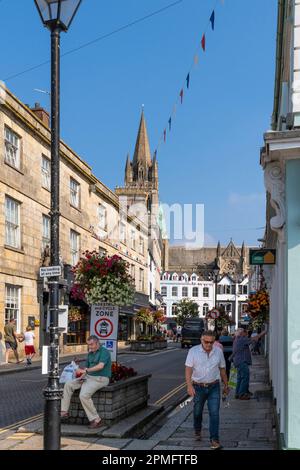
191 332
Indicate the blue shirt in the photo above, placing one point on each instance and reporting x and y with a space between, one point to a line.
241 351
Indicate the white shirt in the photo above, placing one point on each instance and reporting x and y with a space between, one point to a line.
206 368
29 337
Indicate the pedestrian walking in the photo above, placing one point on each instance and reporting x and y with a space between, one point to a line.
28 337
241 357
11 340
205 364
93 377
178 334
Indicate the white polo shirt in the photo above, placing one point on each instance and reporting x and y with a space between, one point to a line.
206 368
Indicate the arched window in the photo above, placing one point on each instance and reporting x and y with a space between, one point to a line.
175 277
205 309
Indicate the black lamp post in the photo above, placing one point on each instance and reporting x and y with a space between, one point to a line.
56 15
215 271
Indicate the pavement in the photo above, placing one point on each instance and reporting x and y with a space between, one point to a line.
244 425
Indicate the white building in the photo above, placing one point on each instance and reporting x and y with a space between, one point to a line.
230 294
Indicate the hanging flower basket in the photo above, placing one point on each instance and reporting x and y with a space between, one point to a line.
144 315
101 278
258 308
75 314
222 320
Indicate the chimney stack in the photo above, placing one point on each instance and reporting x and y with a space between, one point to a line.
42 114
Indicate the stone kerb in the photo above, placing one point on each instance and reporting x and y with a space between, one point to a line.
114 402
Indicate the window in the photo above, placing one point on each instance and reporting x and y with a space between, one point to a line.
46 173
102 251
227 289
102 217
141 280
12 222
164 291
132 233
205 291
74 193
122 232
175 277
174 291
12 304
46 232
132 271
12 148
243 290
220 289
74 242
205 309
195 292
185 292
174 309
141 245
233 289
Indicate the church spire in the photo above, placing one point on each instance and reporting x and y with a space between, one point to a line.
128 170
142 155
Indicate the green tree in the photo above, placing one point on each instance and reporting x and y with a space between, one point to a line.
186 309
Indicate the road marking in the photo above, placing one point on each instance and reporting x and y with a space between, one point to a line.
170 394
21 423
21 436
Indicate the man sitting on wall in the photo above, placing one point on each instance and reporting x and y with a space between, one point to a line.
93 377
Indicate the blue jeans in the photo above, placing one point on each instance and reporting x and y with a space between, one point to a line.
212 395
242 384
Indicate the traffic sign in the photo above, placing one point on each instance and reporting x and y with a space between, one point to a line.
214 313
262 256
50 271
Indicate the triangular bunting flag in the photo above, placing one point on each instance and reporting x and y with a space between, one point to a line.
203 42
212 20
188 80
181 95
170 123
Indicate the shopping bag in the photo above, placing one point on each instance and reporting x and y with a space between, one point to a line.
68 373
233 377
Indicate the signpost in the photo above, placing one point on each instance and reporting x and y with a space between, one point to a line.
104 325
262 256
50 271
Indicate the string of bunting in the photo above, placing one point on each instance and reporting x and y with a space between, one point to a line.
201 48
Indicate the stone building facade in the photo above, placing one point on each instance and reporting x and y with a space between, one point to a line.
89 220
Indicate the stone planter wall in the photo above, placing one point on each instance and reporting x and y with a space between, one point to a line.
160 345
114 402
142 346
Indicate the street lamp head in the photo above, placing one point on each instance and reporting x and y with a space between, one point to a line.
215 269
57 13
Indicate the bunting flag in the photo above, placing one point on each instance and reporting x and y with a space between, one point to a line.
212 20
188 80
181 95
195 62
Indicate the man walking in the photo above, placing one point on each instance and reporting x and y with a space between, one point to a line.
94 376
11 340
204 365
241 357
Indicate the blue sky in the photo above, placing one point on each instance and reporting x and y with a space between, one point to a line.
212 153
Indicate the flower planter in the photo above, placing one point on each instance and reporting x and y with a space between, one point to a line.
160 344
142 346
114 402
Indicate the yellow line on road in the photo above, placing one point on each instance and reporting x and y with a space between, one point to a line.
170 394
21 423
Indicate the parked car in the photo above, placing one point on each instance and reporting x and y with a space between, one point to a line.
191 332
